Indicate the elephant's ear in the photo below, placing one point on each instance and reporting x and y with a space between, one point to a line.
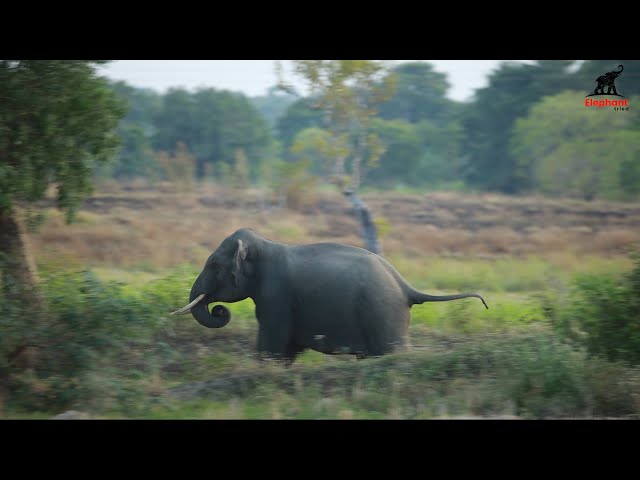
238 259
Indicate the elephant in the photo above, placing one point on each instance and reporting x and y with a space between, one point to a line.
608 80
329 297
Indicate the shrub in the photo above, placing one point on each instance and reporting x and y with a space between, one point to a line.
88 351
603 315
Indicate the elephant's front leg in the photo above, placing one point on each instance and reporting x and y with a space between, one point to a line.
276 343
275 332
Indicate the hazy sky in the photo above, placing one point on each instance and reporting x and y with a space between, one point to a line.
254 77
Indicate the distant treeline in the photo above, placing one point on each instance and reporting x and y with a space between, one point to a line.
529 130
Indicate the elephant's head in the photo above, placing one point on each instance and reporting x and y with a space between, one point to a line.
224 278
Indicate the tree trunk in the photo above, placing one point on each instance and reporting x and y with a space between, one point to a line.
368 230
19 274
19 281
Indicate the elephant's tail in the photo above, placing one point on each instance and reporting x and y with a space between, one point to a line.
416 297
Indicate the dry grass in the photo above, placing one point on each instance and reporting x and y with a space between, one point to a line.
134 226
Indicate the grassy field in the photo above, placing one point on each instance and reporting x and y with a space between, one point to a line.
521 254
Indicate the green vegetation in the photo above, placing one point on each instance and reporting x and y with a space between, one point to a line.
526 131
560 338
112 350
602 315
57 122
583 152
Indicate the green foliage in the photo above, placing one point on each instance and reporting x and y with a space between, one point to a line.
418 154
629 172
487 121
547 379
142 105
348 92
273 105
90 350
136 157
420 94
313 146
441 158
102 346
363 105
57 122
112 350
136 129
566 148
531 375
297 117
602 315
213 125
403 149
407 133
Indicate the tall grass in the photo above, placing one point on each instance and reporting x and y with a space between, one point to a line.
552 344
529 376
501 274
163 229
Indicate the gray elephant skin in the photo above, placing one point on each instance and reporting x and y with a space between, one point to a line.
328 297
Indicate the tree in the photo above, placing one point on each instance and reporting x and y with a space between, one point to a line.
424 153
136 158
297 117
212 124
136 130
310 145
441 159
143 104
487 121
57 122
569 149
402 153
272 105
348 93
420 94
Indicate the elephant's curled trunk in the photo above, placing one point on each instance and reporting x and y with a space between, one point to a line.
198 306
218 317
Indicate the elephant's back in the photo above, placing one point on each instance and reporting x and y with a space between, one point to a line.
332 257
342 268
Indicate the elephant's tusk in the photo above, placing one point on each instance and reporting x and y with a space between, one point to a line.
187 308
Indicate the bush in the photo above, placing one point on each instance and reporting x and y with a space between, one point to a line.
603 315
292 183
88 351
